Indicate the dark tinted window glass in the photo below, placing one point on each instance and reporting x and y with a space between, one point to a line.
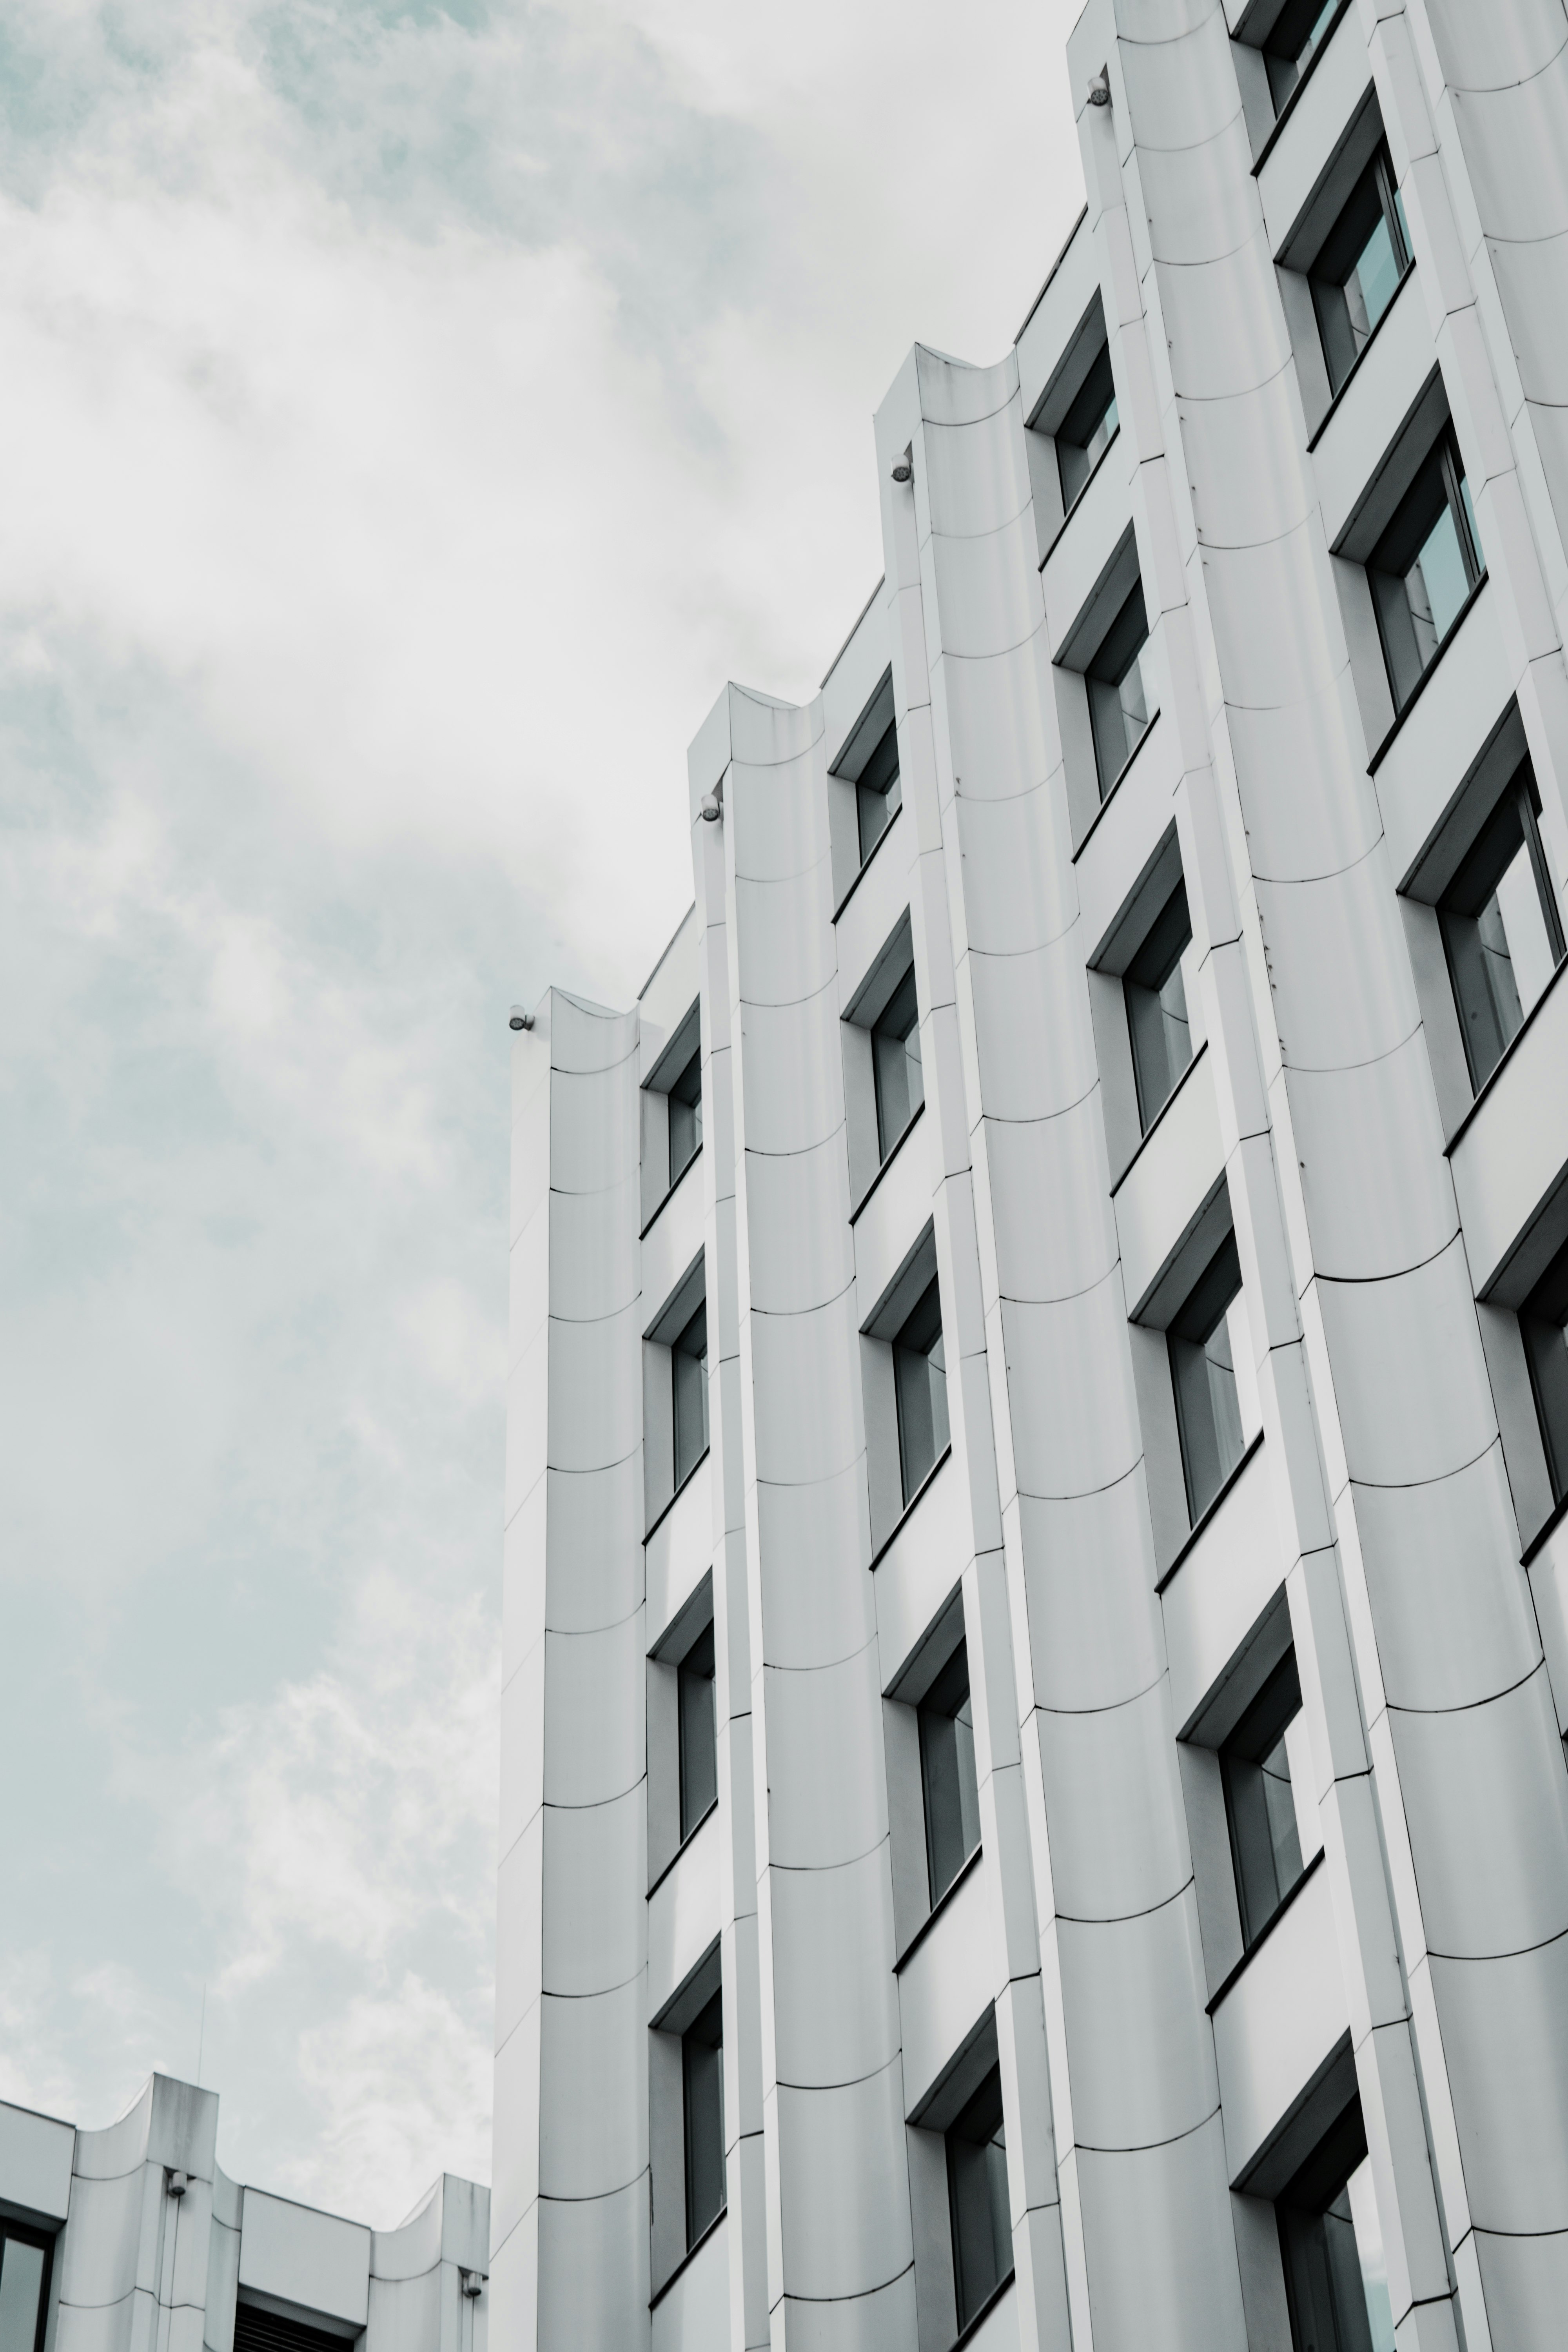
947 1773
1086 430
895 1062
1157 1007
1259 1802
1297 35
699 1753
1358 272
268 2331
1203 1372
977 2198
1121 704
1423 568
1543 1323
685 1115
702 2069
689 1398
1501 930
1335 2274
878 796
919 1378
24 2279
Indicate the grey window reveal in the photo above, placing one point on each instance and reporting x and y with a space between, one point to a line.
1120 702
1261 1803
878 796
702 2080
1423 569
1361 267
1157 1007
1085 432
1299 30
1336 2275
896 1064
685 1117
1543 1324
24 2288
1203 1374
699 1753
688 1394
1501 929
947 1774
919 1378
978 2199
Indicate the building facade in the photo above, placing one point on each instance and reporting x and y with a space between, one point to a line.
132 2239
1034 1797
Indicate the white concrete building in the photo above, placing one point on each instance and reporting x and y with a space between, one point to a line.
1035 1807
133 2240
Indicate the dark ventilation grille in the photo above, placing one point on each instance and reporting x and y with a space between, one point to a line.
263 2331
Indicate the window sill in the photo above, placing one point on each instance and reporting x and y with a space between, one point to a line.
1264 1932
1328 415
866 862
1549 1526
671 1194
694 1833
1209 1511
897 1530
689 2256
1503 1059
1419 689
1083 493
675 1498
1288 108
938 1907
966 2335
1152 1129
1116 786
897 1147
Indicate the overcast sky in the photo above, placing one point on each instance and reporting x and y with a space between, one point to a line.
411 415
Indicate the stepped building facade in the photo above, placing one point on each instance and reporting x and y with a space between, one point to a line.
1036 1589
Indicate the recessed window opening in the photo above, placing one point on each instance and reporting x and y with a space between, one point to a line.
24 2288
1298 34
896 1064
699 1750
1423 568
685 1117
1544 1325
1120 702
947 1774
978 2199
1085 432
702 2087
688 1393
1360 267
919 1378
1155 990
1336 2273
1206 1341
1261 1799
878 796
1501 929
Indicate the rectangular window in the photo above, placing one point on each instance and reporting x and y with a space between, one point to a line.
698 1752
1501 930
878 796
1121 704
1336 2275
1298 34
1361 267
1087 430
24 2284
1156 997
977 2199
919 1380
1205 1340
947 1774
685 1117
1544 1325
702 2083
1260 1800
896 1064
688 1394
1423 568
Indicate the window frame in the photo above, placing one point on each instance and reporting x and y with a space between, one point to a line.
1522 791
26 2233
1322 289
1445 452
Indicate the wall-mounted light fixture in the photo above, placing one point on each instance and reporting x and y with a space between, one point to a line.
518 1019
903 469
713 803
1099 87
